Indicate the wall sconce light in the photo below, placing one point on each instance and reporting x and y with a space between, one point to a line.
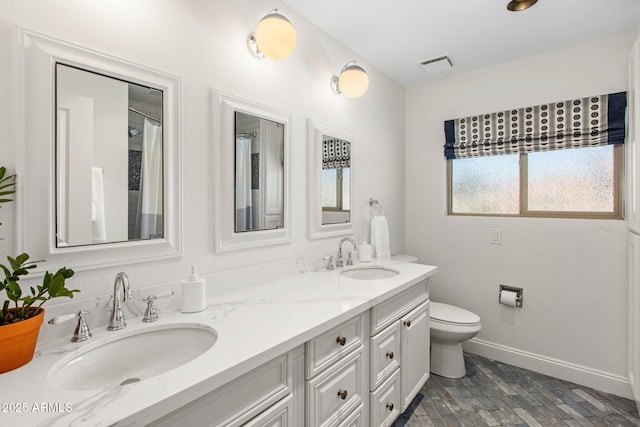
274 38
517 5
352 82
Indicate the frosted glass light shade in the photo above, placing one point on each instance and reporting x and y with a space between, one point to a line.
353 81
275 36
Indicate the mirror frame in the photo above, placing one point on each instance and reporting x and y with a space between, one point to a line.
35 102
318 230
224 151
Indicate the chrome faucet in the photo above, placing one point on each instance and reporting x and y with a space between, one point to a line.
339 262
116 321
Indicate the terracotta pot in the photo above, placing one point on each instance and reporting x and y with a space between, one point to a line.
18 342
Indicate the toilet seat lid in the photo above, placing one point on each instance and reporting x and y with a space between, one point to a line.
452 314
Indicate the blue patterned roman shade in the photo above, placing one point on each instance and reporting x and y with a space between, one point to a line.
583 122
336 154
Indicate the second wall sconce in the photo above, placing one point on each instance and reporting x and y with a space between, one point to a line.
352 82
274 38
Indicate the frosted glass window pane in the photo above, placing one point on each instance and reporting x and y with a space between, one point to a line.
346 189
578 180
329 188
485 185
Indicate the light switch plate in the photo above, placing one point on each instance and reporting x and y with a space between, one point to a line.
495 237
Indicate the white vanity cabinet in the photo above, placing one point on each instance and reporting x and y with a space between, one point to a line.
261 398
399 353
336 380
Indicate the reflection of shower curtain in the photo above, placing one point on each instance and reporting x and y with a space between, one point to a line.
244 221
149 217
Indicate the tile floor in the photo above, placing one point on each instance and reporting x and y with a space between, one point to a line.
497 394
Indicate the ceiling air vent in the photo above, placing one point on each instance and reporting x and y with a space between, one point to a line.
436 64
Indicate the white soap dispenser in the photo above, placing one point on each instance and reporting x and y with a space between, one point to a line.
194 294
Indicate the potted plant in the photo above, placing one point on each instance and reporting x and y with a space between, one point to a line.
22 313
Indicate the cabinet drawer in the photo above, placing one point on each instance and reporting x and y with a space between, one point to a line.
327 348
383 314
385 401
355 419
384 352
237 402
335 394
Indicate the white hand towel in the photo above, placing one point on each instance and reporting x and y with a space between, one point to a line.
380 237
98 226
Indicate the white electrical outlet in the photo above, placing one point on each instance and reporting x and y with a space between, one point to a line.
495 236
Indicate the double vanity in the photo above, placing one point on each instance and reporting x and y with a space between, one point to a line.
315 349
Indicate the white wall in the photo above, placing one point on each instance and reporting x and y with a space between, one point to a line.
205 43
574 320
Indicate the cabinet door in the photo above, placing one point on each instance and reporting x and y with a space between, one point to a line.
414 353
279 415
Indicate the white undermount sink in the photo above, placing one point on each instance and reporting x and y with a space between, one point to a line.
369 272
132 357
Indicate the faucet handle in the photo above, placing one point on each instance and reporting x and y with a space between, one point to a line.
329 260
81 332
151 313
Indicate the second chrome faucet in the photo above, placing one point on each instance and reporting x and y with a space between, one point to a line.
340 262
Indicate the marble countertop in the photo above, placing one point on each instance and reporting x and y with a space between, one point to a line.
254 325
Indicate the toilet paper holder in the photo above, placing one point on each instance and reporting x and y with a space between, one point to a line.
518 291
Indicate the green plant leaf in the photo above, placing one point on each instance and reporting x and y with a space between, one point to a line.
7 273
13 291
56 285
22 258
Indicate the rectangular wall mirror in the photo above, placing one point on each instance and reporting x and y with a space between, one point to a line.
251 151
109 157
99 170
330 181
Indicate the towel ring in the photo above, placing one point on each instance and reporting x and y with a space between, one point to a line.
376 207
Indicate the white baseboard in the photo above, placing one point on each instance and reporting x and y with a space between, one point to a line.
599 380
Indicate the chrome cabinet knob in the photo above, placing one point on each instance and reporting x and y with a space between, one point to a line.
390 354
342 394
341 340
407 323
390 406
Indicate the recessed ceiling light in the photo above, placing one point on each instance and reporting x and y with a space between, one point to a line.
517 5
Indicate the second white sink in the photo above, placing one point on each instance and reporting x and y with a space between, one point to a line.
370 272
132 357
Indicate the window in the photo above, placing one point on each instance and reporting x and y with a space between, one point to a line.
336 174
562 159
336 189
581 182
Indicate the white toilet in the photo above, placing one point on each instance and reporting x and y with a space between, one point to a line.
450 327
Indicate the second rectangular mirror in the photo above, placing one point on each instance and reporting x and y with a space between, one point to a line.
251 149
